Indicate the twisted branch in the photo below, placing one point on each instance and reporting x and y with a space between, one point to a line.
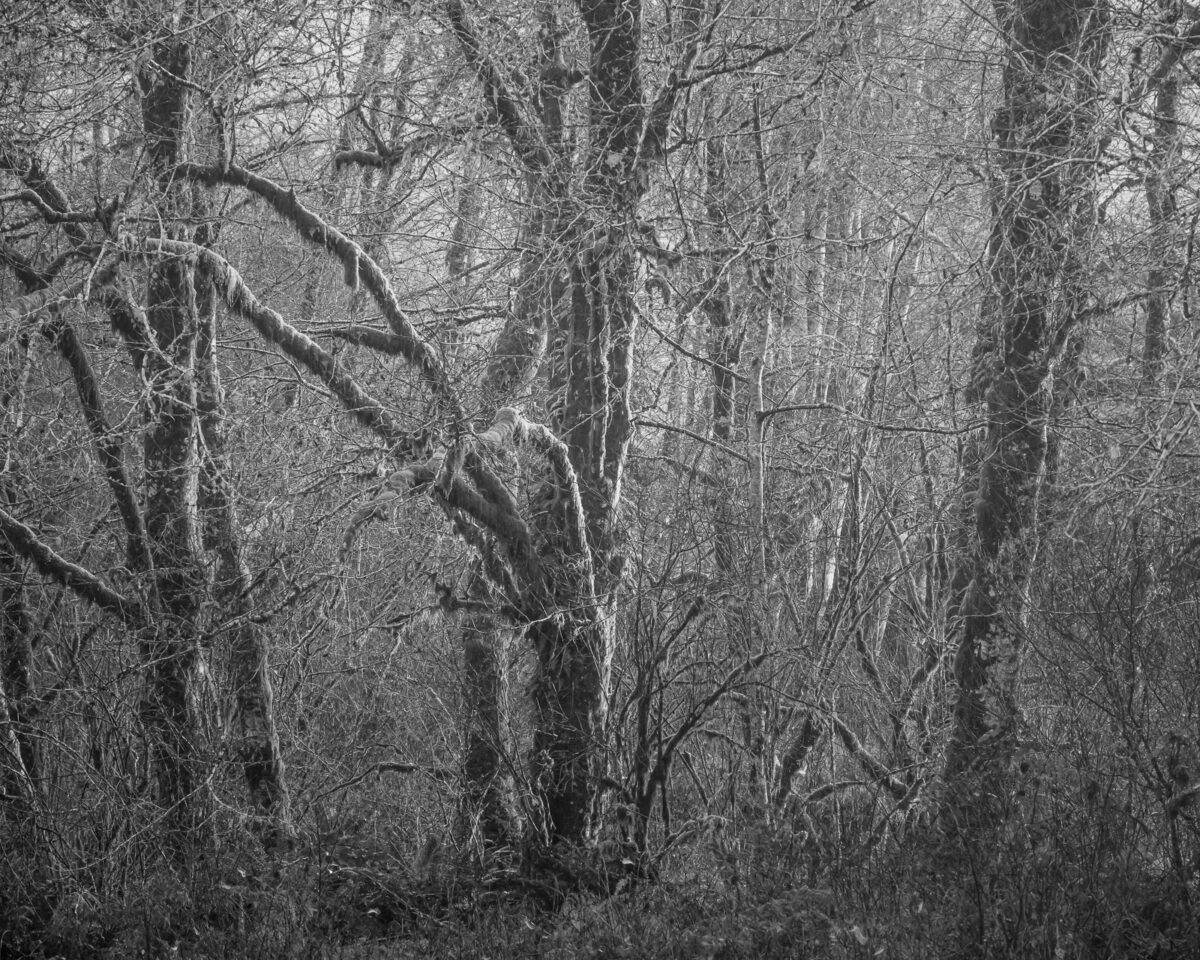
358 266
368 411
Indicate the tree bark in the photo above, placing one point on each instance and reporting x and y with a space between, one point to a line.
725 340
1162 181
1043 215
486 775
170 651
19 760
255 738
574 638
570 609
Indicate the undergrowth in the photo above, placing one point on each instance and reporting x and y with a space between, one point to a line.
1060 875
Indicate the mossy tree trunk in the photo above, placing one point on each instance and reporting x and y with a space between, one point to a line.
171 649
254 734
583 258
1043 212
1164 176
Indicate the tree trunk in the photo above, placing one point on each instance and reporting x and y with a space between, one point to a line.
170 651
256 741
575 634
18 747
569 699
1043 214
1162 180
487 782
725 349
568 603
19 767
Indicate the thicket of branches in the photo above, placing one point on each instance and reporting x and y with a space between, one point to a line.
465 460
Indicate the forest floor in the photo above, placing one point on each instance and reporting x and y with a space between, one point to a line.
759 893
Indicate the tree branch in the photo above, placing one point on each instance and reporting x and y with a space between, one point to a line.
658 775
658 117
388 157
876 770
384 341
512 114
75 578
508 527
1173 50
368 411
110 450
19 313
655 425
357 263
102 214
764 415
679 347
510 427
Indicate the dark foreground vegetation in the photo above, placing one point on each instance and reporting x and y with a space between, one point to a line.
1067 876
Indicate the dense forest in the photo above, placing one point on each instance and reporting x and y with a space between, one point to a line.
613 478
